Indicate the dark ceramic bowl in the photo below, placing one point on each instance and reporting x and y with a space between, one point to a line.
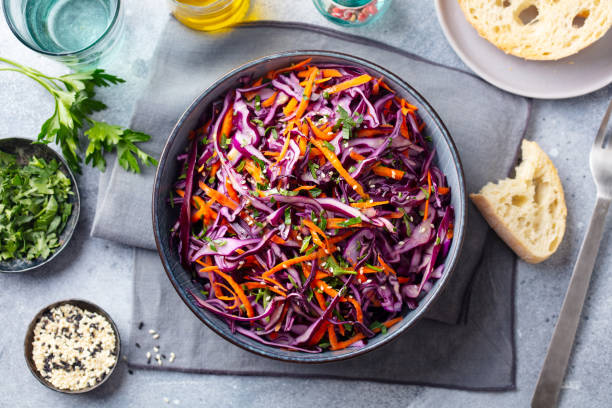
24 149
164 217
29 338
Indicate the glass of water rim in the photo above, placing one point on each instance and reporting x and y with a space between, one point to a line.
78 33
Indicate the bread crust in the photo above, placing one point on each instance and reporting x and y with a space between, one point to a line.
511 221
552 35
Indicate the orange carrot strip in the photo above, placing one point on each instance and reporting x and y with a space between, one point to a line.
221 199
277 240
373 132
394 215
313 227
290 107
443 190
231 192
334 223
382 83
388 172
254 171
403 279
250 95
368 204
239 292
306 96
333 73
376 86
341 237
386 267
283 152
258 285
333 159
273 154
289 262
428 195
289 69
270 101
214 168
360 80
359 336
331 333
303 144
319 133
356 156
201 207
300 188
226 126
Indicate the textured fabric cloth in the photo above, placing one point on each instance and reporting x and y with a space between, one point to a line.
487 126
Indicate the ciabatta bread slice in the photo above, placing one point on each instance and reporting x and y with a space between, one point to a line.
528 212
539 29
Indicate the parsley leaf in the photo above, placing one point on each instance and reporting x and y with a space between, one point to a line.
75 101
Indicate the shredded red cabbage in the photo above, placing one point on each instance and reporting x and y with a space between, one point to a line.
317 217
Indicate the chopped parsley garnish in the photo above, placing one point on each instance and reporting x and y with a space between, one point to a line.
305 243
350 221
257 102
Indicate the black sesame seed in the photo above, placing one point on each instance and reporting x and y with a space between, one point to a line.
140 325
137 345
130 372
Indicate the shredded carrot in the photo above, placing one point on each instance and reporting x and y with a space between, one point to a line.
273 74
209 268
373 132
388 172
314 228
356 156
334 223
303 144
226 126
305 258
283 152
333 159
305 72
360 80
250 95
230 191
331 333
425 213
239 292
333 293
443 190
376 86
221 199
254 170
200 206
306 96
319 133
270 101
393 215
273 154
258 285
290 107
402 280
384 85
341 237
386 267
214 168
300 188
277 240
359 336
333 73
369 204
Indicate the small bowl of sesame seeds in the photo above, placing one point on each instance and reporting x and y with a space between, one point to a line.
72 346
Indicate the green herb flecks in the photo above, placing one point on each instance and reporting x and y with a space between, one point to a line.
34 207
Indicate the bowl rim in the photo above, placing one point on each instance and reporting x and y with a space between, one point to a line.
76 210
424 304
83 304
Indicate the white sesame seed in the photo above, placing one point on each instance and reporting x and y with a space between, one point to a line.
124 358
355 186
368 281
326 251
156 336
321 287
156 349
166 400
400 243
371 201
324 264
172 357
151 331
148 355
158 357
285 266
159 362
176 402
298 237
392 173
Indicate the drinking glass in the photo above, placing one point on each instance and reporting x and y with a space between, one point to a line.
352 13
78 33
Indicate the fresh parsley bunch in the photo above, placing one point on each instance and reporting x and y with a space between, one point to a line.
74 103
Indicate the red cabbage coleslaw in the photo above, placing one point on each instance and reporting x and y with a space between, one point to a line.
312 214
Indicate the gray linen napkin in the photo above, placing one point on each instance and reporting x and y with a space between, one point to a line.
487 126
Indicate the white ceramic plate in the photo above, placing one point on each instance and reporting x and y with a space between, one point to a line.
579 74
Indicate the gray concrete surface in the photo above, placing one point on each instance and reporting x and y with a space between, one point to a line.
101 271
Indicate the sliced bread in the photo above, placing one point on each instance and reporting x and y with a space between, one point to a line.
539 29
528 212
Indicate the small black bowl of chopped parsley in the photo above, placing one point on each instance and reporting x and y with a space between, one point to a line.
39 204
